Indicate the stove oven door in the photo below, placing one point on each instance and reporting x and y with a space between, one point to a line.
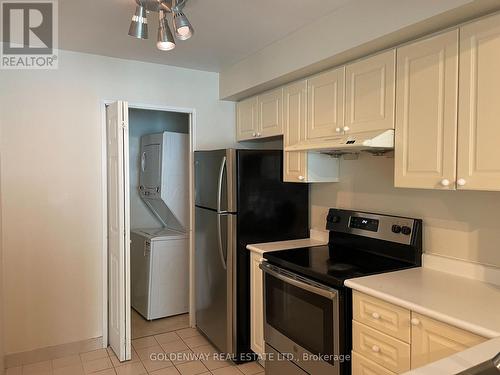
301 321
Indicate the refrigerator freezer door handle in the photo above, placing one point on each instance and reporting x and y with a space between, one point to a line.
219 189
223 258
143 161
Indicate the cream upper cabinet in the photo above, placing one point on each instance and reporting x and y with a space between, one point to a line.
301 166
294 119
479 109
247 119
369 93
260 116
270 106
432 340
325 104
426 113
256 305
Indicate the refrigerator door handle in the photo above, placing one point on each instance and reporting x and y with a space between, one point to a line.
222 169
223 258
143 161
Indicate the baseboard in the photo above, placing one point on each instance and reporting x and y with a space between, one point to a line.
475 271
52 352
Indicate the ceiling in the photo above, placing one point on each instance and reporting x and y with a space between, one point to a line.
226 31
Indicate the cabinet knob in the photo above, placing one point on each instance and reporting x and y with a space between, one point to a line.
375 315
301 178
445 182
414 322
461 182
338 130
375 349
346 128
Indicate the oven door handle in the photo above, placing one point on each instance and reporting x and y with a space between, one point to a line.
299 282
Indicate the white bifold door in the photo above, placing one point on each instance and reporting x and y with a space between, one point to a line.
118 229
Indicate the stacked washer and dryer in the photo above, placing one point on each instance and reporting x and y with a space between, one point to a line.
160 257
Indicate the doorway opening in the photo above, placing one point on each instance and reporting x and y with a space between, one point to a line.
159 221
147 258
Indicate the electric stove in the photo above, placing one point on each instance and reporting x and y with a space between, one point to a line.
308 310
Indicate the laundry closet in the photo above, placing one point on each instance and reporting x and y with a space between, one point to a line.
159 213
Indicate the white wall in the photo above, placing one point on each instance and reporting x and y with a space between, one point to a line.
142 122
354 30
457 224
51 179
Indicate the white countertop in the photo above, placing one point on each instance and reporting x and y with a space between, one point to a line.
266 247
461 361
465 303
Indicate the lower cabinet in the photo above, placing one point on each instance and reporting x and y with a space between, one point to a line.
432 340
381 346
256 305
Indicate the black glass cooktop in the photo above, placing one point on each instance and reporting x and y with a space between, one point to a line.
332 266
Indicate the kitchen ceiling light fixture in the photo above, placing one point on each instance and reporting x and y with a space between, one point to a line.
166 41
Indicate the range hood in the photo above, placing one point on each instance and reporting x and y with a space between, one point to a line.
377 141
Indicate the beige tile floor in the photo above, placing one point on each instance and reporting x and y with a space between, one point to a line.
142 328
178 351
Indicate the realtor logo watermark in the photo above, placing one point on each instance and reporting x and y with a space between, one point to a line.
29 34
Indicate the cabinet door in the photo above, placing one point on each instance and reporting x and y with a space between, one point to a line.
325 104
370 93
256 305
246 119
479 109
294 118
270 113
432 340
426 113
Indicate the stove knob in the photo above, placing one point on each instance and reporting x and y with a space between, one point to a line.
333 218
396 228
406 231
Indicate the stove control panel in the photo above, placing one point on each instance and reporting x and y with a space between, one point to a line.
383 227
365 223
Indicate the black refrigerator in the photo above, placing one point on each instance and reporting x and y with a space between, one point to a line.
240 199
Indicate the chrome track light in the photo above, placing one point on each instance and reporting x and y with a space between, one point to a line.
139 25
166 41
183 29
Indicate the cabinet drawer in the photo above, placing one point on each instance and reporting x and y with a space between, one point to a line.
363 366
385 317
388 352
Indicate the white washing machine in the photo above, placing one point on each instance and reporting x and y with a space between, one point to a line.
159 272
159 258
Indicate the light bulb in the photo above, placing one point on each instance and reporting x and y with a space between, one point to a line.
183 30
165 46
